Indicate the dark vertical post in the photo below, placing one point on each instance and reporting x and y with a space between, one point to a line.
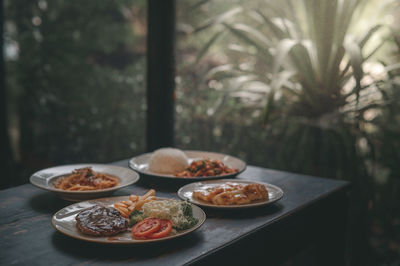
160 73
5 150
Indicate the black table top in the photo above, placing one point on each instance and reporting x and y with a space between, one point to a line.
29 237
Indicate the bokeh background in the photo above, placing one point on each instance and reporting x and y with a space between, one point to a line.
309 86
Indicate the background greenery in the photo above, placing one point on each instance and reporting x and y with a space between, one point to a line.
294 85
76 81
75 76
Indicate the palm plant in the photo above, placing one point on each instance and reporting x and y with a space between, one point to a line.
320 93
312 67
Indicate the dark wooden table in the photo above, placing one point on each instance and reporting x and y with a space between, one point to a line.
311 216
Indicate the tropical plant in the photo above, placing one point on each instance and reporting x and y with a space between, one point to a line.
312 69
321 89
384 166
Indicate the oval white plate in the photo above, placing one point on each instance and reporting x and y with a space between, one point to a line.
186 193
64 221
141 164
44 179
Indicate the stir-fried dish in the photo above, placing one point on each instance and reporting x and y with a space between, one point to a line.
231 193
206 167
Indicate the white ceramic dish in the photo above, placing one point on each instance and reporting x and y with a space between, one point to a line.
44 179
64 221
141 164
186 193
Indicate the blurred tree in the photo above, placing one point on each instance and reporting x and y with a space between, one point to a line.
77 81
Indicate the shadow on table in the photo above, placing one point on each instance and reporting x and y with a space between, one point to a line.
162 184
46 202
245 213
80 250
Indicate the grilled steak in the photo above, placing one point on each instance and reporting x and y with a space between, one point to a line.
101 221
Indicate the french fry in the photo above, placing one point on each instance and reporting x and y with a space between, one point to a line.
135 202
123 211
151 192
132 208
140 203
133 198
119 204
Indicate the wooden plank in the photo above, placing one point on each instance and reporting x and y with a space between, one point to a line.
25 225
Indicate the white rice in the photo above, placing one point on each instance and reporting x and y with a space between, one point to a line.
168 161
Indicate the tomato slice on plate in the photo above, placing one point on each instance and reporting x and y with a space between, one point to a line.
164 230
146 227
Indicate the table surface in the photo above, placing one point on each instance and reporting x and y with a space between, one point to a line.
29 237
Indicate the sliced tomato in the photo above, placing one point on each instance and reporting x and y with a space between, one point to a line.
164 230
146 227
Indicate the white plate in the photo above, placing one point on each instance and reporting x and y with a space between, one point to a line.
141 164
186 193
64 221
44 179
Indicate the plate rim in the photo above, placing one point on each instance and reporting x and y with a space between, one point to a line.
189 178
134 179
243 206
134 241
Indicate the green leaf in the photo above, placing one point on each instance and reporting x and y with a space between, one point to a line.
254 33
207 46
268 108
276 84
244 35
273 26
368 35
282 50
198 4
353 50
219 19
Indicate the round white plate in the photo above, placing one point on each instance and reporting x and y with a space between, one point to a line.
141 164
44 179
64 221
186 193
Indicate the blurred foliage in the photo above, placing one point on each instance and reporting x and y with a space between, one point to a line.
324 85
297 58
75 80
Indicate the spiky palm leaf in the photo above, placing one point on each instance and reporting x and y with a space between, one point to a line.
311 64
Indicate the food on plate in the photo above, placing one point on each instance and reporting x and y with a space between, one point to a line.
152 228
150 218
179 212
164 230
101 221
134 203
85 179
168 161
146 227
206 167
231 193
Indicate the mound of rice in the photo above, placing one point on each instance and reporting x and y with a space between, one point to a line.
168 161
